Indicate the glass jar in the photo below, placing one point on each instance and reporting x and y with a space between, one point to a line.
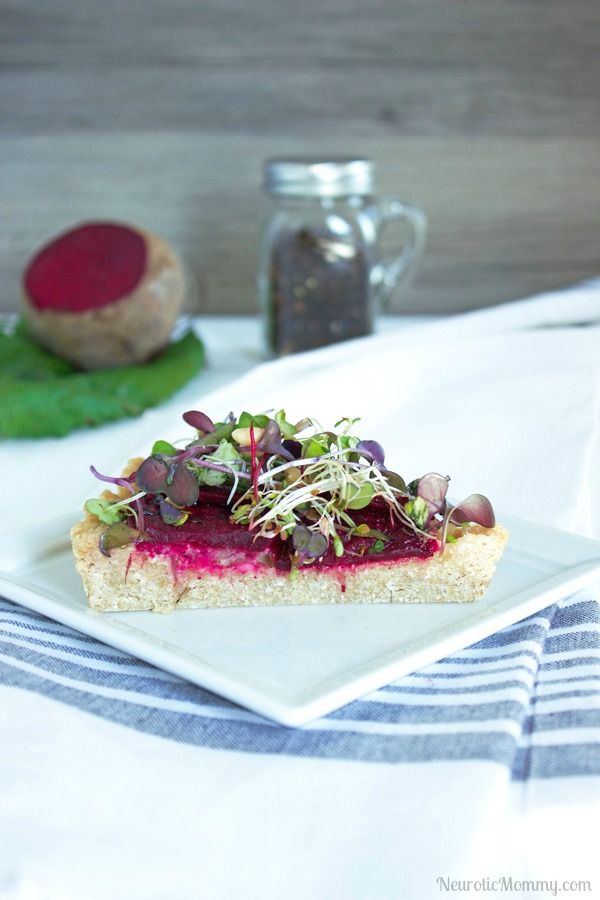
321 276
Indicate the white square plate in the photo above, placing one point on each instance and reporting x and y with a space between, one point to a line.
294 664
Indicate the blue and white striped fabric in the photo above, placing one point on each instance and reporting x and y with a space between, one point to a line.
527 697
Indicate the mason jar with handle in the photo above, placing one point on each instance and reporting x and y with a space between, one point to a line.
322 275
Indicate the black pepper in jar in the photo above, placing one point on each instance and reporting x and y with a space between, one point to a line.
319 291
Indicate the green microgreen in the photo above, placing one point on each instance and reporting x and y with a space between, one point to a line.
164 448
104 510
377 547
358 496
287 430
246 419
117 535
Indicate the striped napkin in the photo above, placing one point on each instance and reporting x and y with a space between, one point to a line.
118 779
527 697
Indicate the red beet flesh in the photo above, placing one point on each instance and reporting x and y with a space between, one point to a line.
209 530
86 268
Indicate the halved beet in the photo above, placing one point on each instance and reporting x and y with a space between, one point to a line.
104 294
87 268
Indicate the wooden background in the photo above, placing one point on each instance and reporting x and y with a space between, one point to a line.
160 112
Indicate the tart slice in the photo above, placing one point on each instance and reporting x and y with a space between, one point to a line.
255 511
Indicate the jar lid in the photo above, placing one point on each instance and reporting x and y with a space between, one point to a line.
332 176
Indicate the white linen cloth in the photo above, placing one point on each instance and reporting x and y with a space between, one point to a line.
119 781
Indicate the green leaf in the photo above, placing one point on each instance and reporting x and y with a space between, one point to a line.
359 497
314 447
395 480
347 422
222 432
347 441
164 448
377 547
226 452
247 419
212 477
118 535
102 510
241 513
43 396
287 430
418 511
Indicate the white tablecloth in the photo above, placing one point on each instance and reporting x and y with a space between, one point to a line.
479 774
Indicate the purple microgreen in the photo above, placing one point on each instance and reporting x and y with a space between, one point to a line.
270 441
475 508
308 544
122 482
301 536
170 514
199 420
118 535
181 488
432 488
152 475
294 448
373 450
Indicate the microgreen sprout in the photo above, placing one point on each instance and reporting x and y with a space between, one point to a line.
198 420
117 535
308 544
296 482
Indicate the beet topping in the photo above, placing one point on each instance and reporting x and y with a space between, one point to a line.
86 268
209 526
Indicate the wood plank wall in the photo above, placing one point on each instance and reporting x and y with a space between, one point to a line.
160 112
